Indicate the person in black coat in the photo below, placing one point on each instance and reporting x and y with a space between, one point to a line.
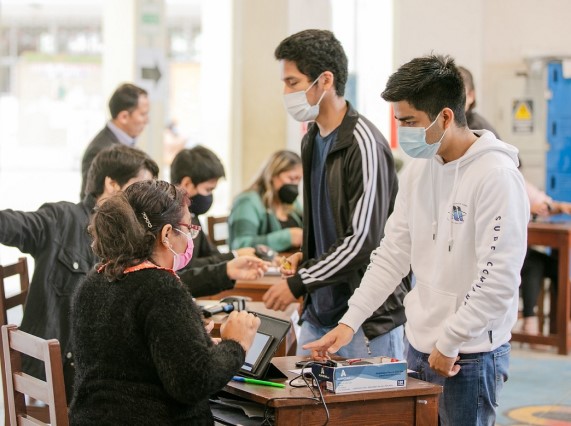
143 355
56 237
197 171
129 108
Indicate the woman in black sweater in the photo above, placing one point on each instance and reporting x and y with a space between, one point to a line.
142 353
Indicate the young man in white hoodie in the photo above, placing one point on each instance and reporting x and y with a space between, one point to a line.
460 222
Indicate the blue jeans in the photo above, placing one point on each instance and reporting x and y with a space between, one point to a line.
470 398
388 344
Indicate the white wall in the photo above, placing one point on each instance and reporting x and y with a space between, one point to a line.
491 38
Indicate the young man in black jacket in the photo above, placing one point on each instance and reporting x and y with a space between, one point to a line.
56 237
197 171
350 185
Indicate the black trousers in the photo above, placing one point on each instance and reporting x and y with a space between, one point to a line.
536 267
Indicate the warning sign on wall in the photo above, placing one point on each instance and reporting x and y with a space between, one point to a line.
522 116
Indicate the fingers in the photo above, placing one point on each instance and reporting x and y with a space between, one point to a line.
246 268
322 349
245 318
286 267
442 365
208 324
322 346
270 299
331 342
455 369
246 251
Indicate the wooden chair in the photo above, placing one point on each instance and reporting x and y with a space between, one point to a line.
18 384
6 303
547 296
18 299
214 223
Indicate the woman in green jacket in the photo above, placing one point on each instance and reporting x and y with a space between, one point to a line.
268 211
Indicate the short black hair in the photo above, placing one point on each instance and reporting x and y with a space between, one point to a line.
119 162
125 98
316 51
430 84
199 163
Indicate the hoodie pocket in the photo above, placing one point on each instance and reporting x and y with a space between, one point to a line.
427 308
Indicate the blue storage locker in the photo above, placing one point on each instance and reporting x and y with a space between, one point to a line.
560 88
558 158
558 132
559 186
558 161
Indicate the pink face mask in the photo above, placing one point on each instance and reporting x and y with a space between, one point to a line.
182 259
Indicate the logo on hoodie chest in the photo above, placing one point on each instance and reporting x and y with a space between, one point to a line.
458 213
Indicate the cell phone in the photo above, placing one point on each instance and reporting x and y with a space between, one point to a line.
264 252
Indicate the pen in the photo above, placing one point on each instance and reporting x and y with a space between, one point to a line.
257 382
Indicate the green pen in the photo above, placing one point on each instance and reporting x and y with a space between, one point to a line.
257 382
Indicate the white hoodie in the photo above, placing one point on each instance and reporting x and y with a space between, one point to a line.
462 227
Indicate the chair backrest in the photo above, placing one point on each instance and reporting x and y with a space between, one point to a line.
219 223
7 303
18 384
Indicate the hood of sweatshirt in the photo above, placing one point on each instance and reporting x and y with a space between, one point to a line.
485 143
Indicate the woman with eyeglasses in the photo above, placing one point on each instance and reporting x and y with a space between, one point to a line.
142 353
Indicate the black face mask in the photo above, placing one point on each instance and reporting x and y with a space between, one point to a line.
200 204
288 193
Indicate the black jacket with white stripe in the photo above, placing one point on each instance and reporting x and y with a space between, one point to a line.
362 184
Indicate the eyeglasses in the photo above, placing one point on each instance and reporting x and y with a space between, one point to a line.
194 230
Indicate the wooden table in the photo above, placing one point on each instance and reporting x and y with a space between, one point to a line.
288 345
255 289
557 236
416 404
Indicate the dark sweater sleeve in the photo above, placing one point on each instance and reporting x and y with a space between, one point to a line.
189 365
207 280
198 262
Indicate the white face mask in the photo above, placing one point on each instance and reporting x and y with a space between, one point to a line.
298 107
413 141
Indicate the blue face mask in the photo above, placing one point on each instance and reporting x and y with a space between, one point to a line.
413 141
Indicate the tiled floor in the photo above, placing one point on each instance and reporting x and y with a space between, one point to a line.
538 391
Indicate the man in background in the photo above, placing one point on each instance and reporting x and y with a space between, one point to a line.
129 108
